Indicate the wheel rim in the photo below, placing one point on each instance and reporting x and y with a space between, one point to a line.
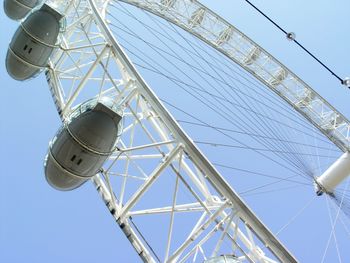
56 93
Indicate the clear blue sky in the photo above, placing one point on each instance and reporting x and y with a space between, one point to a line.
40 224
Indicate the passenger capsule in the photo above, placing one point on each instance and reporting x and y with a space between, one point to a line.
33 43
81 146
18 9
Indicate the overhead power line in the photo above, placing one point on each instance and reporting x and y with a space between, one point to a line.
291 36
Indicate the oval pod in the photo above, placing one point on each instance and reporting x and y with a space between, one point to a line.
81 146
18 9
33 43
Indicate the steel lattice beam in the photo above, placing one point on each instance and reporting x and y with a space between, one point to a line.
91 54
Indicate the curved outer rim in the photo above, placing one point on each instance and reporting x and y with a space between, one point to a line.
251 220
327 125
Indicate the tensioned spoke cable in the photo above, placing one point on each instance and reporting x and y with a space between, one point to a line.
215 144
296 215
175 57
215 109
343 191
272 129
324 140
258 173
296 115
342 199
335 238
347 230
210 65
311 150
260 124
268 92
237 140
264 128
222 57
257 110
265 185
245 75
318 167
233 139
332 233
259 193
257 135
299 116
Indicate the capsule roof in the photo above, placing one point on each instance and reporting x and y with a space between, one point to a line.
41 25
18 9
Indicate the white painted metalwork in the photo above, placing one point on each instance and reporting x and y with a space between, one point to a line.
334 175
85 67
91 63
208 26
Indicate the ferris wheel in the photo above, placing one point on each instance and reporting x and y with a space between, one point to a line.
103 61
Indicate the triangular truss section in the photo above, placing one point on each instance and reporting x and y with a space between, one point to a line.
156 176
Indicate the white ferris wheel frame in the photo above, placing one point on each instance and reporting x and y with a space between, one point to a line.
94 46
